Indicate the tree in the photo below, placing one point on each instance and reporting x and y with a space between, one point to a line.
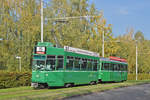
139 36
127 50
20 29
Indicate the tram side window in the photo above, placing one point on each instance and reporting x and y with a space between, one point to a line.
95 65
111 67
102 66
70 61
50 62
126 67
60 62
119 67
89 66
106 66
84 64
77 64
122 67
115 67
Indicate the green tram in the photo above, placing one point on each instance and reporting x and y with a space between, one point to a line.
113 69
53 67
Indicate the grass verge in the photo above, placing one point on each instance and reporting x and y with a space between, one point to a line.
28 93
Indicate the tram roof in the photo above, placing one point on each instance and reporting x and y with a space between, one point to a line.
108 59
80 51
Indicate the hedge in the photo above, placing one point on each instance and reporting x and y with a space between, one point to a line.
140 76
14 79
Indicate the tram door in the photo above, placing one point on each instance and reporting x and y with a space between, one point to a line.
105 71
122 73
111 71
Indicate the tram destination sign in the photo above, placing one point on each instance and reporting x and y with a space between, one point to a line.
80 51
40 50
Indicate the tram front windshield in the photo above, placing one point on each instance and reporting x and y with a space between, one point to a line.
38 64
47 65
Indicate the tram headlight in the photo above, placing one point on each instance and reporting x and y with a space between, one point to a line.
37 76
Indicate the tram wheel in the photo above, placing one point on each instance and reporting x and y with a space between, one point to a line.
92 83
67 85
41 86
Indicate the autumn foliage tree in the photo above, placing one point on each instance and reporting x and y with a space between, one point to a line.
20 31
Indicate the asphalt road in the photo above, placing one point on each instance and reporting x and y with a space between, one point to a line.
138 92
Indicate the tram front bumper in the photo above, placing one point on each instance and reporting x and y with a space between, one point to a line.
34 85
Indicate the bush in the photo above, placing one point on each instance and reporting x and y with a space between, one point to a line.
140 76
14 79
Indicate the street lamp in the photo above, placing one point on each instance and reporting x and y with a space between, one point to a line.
18 57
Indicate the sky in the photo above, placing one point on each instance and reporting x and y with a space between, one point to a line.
123 14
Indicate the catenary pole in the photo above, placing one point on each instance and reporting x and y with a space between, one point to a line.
136 61
41 20
103 45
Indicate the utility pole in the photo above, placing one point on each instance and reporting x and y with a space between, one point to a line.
103 44
41 20
136 60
